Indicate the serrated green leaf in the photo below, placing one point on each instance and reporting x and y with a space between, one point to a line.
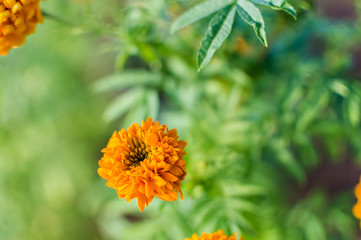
218 30
127 79
123 103
278 5
198 12
251 14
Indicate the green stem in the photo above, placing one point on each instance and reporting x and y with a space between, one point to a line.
55 18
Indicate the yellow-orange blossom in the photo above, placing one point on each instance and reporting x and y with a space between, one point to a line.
357 208
219 235
18 18
144 162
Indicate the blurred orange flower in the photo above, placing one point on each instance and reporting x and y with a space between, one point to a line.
18 18
357 208
144 162
219 235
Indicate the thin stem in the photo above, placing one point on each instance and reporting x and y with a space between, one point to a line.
56 18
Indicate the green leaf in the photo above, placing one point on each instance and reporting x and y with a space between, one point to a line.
153 103
241 205
126 79
314 229
121 59
305 150
182 221
278 5
198 12
137 113
123 103
251 14
354 113
218 30
285 157
241 221
234 189
317 99
340 88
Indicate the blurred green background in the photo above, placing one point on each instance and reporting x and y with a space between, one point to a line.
274 147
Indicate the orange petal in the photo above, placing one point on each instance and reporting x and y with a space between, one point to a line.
141 202
152 139
169 177
104 173
171 196
357 210
159 181
149 191
176 170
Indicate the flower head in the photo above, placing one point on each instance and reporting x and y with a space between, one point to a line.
357 208
219 235
144 162
18 18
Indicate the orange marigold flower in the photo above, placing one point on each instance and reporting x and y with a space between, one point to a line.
219 235
18 18
357 208
144 162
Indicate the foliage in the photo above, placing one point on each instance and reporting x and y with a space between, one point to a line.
221 24
273 133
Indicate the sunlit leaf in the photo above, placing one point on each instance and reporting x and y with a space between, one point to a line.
251 14
353 106
218 31
286 158
153 103
241 205
198 12
278 5
126 79
123 103
237 189
241 221
339 87
314 229
316 100
121 60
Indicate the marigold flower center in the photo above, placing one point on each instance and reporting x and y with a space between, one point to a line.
136 153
